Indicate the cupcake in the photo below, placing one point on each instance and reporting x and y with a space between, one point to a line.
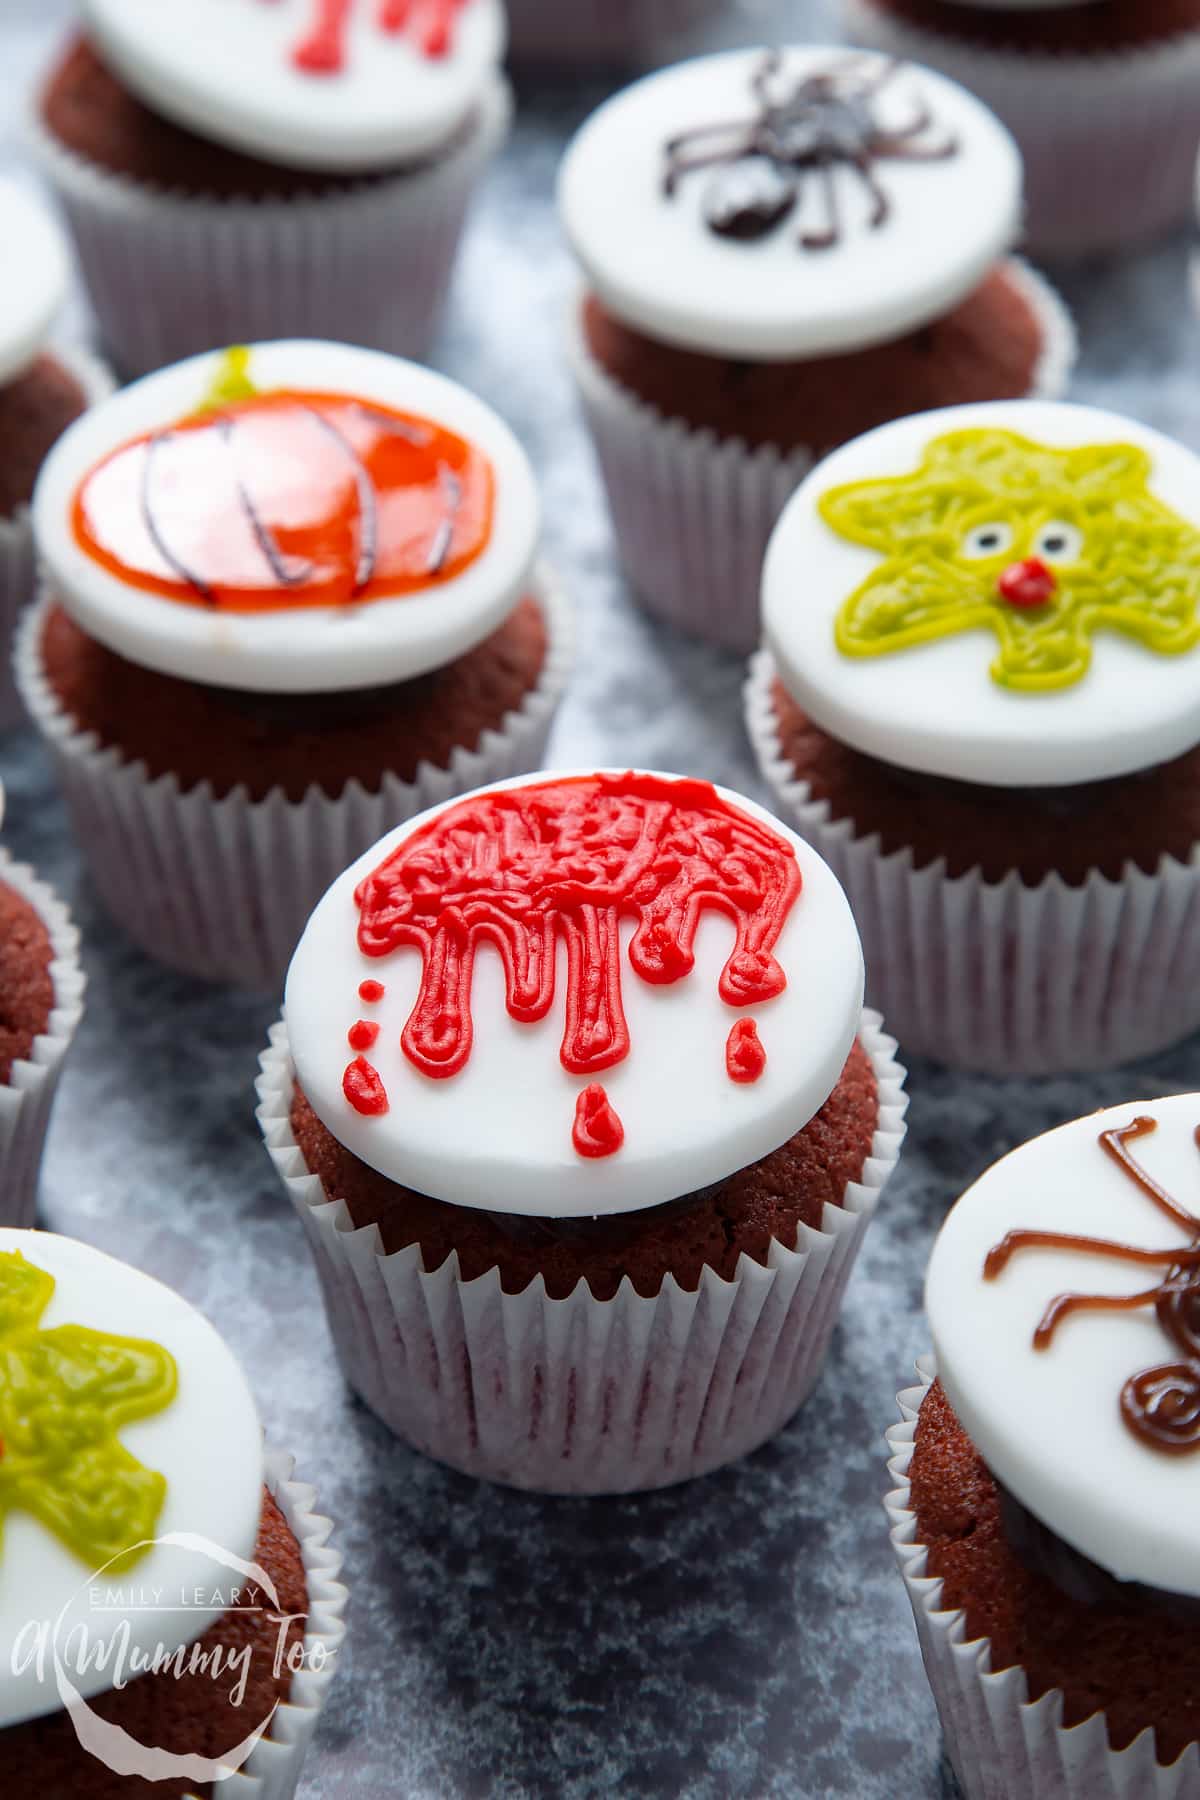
1103 98
609 1254
41 392
607 33
827 255
980 700
1048 1470
41 1002
286 170
291 600
169 1609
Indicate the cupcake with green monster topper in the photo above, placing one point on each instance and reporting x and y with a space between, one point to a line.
980 699
169 1606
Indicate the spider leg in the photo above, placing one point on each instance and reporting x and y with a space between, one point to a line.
763 76
847 67
901 133
679 165
999 1258
1065 1304
826 238
1114 1142
881 206
891 146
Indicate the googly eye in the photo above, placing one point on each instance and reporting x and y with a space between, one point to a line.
1059 542
992 539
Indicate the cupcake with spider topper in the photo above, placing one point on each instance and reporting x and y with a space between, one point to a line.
292 598
578 1104
41 391
781 250
1048 1467
234 170
604 33
980 699
1101 95
41 1003
170 1614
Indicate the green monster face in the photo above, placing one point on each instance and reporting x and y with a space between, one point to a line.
1041 546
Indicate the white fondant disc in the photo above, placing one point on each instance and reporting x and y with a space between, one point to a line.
36 277
224 69
208 1445
1048 1422
935 707
301 649
656 263
498 1135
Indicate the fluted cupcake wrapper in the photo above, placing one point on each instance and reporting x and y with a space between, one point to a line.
171 274
223 888
600 31
1004 977
1109 138
693 512
581 1396
27 1099
18 560
1001 1746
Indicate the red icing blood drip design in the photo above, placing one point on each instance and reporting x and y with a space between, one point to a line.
363 1035
364 1090
430 24
570 859
745 1058
597 1130
371 992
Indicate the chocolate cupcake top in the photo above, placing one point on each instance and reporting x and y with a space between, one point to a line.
131 1471
1064 1299
36 277
331 85
572 995
294 518
770 205
1006 594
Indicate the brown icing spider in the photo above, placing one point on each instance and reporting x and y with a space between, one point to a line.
1161 1405
812 126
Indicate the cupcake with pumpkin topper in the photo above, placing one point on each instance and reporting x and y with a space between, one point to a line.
299 169
1048 1467
981 701
292 599
41 391
589 1240
41 1002
146 1530
605 33
1101 95
782 250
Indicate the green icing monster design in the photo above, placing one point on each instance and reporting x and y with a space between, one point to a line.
64 1396
1042 546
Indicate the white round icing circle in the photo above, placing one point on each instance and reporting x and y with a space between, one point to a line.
208 1445
302 649
225 69
37 273
934 707
498 1135
654 261
1048 1422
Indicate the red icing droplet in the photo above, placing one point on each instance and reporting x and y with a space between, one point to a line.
597 1131
1027 584
363 1035
371 992
322 51
745 1058
364 1089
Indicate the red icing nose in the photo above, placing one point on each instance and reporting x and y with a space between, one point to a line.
1028 583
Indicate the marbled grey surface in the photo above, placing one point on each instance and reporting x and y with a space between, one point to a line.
745 1635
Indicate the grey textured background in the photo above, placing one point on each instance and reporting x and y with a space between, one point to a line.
745 1635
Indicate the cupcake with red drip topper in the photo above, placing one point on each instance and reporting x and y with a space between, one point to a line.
292 598
576 1099
249 170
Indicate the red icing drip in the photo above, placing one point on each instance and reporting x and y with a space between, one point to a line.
1027 584
597 1130
371 992
323 50
745 1058
363 1035
364 1089
570 859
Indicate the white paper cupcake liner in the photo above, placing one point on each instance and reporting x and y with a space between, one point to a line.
170 274
1001 1747
693 512
18 562
1109 139
600 31
26 1102
1004 977
222 888
581 1396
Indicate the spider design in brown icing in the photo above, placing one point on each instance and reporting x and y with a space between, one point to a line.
1162 1404
813 125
